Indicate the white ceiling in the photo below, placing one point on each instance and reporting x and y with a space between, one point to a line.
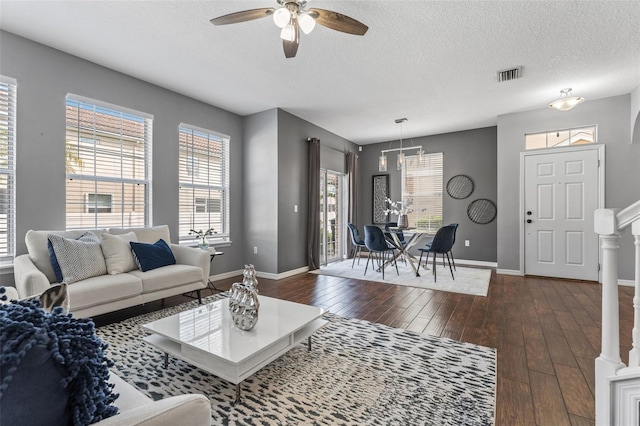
433 62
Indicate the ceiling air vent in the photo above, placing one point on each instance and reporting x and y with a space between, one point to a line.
510 74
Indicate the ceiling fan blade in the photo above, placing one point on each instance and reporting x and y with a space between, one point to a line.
338 21
245 15
291 47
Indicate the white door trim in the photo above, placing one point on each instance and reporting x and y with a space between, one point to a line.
596 146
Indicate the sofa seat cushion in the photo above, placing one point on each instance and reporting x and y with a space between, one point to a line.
36 242
103 289
168 277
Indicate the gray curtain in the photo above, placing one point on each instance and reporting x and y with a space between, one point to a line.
313 226
352 207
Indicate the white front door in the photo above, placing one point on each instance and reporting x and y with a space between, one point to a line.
561 195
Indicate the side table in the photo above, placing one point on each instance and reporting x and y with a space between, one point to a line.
212 254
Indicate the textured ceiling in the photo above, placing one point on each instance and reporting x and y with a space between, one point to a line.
433 62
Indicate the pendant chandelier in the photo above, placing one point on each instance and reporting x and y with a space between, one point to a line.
382 160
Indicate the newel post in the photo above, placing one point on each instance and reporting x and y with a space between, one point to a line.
609 361
634 353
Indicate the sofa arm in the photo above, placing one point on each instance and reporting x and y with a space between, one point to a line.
29 279
184 410
193 256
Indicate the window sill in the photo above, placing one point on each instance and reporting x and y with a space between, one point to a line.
215 244
6 267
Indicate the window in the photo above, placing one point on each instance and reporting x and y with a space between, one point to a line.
204 181
8 90
98 203
559 138
108 163
422 184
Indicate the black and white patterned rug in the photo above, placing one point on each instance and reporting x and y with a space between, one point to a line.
357 373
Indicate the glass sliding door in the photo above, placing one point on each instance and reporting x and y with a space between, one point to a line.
332 226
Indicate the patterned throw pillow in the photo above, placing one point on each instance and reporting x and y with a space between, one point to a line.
87 236
152 256
78 259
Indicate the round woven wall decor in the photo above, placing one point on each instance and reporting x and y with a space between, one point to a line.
481 211
460 187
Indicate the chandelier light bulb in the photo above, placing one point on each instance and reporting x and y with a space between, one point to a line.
400 161
281 17
307 23
382 163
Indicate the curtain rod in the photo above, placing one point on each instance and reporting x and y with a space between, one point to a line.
342 151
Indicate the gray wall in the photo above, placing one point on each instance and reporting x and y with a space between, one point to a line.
622 173
472 153
45 76
293 182
260 193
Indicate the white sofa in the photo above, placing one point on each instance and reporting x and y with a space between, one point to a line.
97 295
134 408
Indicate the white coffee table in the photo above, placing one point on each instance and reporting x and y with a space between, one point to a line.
206 337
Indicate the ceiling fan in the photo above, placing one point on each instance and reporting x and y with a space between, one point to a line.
293 16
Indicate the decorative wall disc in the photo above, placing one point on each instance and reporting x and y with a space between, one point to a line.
460 187
481 211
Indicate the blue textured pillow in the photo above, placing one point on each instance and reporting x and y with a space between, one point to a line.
53 369
152 256
24 399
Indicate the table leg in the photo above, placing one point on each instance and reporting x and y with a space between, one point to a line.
309 344
238 393
166 360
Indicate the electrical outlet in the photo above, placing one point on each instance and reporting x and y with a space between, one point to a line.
295 208
255 250
466 243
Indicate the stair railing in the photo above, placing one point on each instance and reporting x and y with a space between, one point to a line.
608 224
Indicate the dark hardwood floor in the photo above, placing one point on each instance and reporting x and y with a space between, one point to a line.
546 331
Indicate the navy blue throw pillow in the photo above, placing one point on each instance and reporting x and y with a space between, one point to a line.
152 256
53 368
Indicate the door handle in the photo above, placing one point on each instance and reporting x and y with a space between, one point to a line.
529 221
529 213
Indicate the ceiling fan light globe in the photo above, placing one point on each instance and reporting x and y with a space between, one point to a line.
281 17
288 33
307 23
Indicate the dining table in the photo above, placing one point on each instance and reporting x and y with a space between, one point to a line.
415 236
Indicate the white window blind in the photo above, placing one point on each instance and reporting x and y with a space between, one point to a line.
422 183
8 90
108 157
204 181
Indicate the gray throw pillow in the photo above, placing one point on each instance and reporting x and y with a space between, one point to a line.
78 259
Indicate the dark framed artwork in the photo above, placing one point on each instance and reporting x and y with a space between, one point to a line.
481 211
380 188
460 187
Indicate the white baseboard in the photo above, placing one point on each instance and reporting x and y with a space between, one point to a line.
282 275
508 272
476 263
226 275
627 283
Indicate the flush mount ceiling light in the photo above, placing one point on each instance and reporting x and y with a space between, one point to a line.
566 101
293 16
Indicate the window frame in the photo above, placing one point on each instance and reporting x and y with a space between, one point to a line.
97 178
406 195
9 87
187 156
546 133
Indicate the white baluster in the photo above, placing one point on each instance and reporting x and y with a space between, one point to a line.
634 353
609 361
